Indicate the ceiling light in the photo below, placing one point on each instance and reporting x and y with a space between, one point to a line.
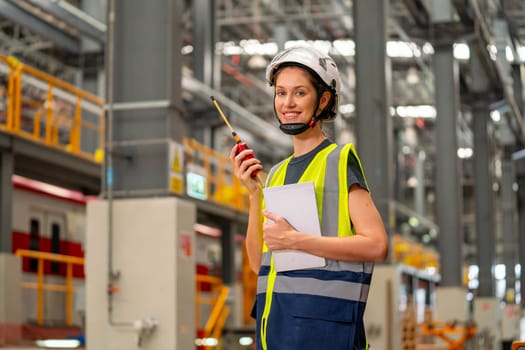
345 47
400 49
521 53
509 54
461 51
412 76
413 221
495 116
417 111
428 49
347 108
412 182
186 49
257 62
465 152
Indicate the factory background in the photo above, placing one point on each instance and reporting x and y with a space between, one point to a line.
122 225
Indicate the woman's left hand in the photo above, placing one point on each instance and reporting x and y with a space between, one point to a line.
278 233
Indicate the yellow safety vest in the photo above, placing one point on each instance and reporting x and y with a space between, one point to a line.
328 172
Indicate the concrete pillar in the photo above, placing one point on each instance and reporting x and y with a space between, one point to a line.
448 186
487 308
448 173
155 268
509 224
520 178
205 66
10 299
144 95
484 203
374 122
483 176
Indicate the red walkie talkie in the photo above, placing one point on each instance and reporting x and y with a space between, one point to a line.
241 146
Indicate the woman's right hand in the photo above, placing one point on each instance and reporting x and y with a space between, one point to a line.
244 167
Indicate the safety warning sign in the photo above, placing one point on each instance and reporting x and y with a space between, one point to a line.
176 176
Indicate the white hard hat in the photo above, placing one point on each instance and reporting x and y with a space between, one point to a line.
322 66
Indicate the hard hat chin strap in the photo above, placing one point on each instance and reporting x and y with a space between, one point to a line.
297 128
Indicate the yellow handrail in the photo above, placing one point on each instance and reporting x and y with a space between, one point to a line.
65 111
217 310
217 331
41 286
223 187
218 296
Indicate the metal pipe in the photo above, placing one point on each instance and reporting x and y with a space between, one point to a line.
143 142
149 192
108 176
139 105
232 21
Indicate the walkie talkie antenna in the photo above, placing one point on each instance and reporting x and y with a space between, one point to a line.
241 146
236 137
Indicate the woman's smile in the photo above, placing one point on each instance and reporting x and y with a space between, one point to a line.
290 115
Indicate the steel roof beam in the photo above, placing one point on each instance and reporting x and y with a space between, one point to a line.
18 15
77 18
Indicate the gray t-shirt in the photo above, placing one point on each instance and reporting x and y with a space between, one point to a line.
298 165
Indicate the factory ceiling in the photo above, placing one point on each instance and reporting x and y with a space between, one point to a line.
62 37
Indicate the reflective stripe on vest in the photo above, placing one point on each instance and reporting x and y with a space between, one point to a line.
335 289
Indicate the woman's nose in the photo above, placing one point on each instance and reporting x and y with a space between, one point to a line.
289 100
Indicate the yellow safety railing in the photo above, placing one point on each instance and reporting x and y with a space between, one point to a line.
223 187
216 297
42 108
412 253
41 286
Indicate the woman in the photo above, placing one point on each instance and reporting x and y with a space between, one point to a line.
315 308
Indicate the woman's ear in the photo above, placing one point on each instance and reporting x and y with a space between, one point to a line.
325 99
